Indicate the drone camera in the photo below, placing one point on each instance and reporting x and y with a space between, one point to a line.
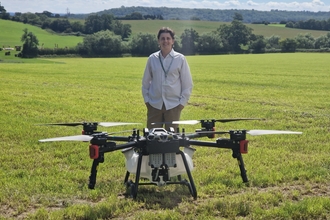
93 151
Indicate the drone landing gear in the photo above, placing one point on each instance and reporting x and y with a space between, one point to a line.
160 177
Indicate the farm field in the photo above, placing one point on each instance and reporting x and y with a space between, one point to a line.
288 174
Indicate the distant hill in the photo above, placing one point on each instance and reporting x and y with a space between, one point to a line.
249 16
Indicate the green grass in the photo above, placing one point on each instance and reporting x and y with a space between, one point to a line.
288 174
11 33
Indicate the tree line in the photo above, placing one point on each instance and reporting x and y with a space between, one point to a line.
310 24
224 15
235 37
92 24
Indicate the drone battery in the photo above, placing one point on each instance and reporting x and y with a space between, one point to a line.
170 159
93 151
157 160
243 146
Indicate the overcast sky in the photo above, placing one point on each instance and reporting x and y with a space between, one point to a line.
89 6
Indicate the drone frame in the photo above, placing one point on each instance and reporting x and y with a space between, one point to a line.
162 143
103 143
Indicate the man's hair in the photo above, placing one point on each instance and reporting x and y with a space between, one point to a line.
166 30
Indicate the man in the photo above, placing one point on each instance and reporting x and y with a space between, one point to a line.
167 83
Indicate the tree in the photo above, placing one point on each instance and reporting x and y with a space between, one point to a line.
31 18
93 24
235 35
189 40
238 17
210 43
30 44
124 30
47 13
257 44
3 13
288 45
143 44
323 41
77 26
305 41
102 43
2 8
60 25
273 42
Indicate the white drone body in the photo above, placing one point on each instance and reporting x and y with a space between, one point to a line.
176 166
173 162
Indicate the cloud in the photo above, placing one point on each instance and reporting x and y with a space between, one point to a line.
251 3
234 3
318 3
315 5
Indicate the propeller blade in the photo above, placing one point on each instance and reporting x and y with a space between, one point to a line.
69 138
186 122
193 122
65 124
237 119
211 132
110 124
104 124
265 132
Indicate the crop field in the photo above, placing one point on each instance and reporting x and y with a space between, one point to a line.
288 174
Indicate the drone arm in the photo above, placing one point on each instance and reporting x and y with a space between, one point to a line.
117 138
195 135
208 144
119 147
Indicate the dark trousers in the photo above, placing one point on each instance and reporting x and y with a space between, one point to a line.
160 116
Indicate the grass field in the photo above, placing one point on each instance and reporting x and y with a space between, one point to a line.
11 33
288 174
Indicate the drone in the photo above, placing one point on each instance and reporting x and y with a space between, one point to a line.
160 157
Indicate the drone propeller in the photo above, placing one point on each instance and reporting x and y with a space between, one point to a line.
265 132
69 138
104 124
192 122
253 132
79 137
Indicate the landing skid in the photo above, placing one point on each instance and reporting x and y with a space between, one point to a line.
160 179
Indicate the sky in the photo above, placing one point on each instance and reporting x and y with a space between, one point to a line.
90 6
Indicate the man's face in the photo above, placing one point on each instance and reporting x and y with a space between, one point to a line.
165 41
